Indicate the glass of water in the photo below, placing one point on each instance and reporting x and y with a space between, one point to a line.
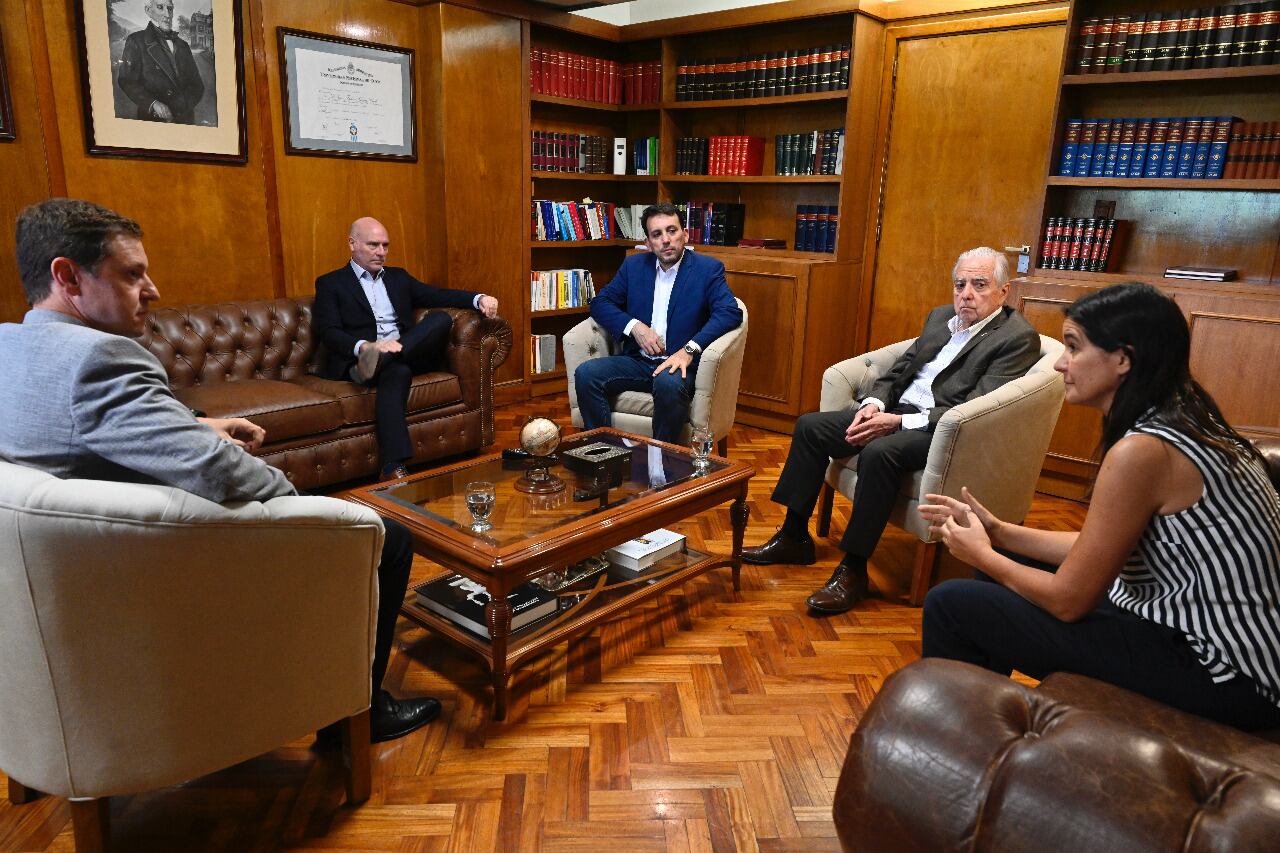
701 442
481 496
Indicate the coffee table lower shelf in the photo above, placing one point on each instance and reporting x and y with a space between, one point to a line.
582 606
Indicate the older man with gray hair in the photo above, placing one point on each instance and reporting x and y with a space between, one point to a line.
966 349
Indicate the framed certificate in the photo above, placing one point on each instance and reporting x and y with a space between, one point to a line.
345 98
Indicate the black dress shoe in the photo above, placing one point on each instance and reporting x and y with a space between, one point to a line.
781 549
390 718
843 591
394 472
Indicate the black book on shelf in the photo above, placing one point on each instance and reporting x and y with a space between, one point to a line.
1202 47
1150 41
1223 37
1167 41
462 601
1264 48
1133 42
1186 46
1247 15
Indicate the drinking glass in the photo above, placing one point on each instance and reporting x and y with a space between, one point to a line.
481 497
701 442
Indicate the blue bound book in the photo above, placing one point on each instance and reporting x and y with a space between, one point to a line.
1169 166
1128 133
1070 142
800 231
1084 153
1218 146
1200 161
1155 154
1141 141
1098 165
1113 148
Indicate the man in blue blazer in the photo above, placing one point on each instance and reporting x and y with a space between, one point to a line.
364 315
666 306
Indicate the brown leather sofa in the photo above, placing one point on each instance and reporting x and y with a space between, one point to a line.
257 360
953 757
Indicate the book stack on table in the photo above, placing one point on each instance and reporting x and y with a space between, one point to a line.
1201 273
462 600
635 556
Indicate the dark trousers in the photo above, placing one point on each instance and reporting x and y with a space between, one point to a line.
597 380
984 623
424 344
818 438
393 580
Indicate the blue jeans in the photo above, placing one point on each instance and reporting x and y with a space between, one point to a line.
598 380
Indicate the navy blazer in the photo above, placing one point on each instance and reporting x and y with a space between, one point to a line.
342 314
702 307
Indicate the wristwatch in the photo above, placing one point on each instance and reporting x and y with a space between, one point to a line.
690 348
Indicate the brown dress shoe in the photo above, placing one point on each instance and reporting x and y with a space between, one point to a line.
843 591
781 549
367 364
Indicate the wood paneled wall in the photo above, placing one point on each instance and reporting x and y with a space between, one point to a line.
267 228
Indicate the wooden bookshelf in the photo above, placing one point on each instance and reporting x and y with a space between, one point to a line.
1233 223
801 304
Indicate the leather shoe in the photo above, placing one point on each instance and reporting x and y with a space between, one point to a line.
391 718
394 471
781 549
842 591
367 364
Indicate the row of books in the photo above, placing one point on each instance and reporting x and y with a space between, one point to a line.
816 226
1088 245
590 78
720 155
1191 147
572 220
764 75
542 353
462 601
553 289
644 155
714 223
552 151
1175 40
819 152
1254 151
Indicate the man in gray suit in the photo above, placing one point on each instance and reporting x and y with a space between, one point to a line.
82 400
966 349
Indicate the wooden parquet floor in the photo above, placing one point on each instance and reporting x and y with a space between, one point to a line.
705 721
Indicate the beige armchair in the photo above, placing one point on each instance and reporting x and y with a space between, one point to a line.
151 636
994 444
715 395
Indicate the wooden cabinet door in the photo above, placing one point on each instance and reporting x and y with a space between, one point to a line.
969 118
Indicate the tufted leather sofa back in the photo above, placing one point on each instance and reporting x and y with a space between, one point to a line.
234 341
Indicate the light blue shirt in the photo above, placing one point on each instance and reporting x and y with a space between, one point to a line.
920 392
384 313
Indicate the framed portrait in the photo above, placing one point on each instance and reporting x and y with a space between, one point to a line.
6 106
163 79
345 98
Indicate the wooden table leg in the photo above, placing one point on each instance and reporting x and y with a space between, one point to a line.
738 515
498 614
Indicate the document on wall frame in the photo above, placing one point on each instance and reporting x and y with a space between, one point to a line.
349 101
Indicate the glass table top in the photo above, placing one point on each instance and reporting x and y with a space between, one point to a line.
517 515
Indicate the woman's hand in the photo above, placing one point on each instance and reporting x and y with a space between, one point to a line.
940 508
965 537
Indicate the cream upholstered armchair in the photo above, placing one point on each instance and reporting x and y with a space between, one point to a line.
151 636
994 444
715 394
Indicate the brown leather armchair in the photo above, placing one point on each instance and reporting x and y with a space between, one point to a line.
953 757
257 360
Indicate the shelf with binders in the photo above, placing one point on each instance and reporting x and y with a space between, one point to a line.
1220 184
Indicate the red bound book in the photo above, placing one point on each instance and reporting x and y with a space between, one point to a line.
584 92
713 154
596 77
1115 48
1102 45
655 81
1232 169
611 82
753 155
535 70
1046 247
1251 148
1062 243
1271 166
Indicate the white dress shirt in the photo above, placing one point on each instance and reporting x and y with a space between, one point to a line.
663 283
384 313
920 392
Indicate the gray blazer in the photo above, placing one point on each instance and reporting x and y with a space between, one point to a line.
1002 351
80 403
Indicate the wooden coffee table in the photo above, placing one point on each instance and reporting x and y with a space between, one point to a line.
535 534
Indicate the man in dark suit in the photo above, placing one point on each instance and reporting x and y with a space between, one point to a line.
967 349
157 70
667 306
364 314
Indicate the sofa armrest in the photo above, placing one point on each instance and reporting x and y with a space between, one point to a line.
952 757
844 382
715 387
477 346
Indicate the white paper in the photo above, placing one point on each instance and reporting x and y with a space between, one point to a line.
349 99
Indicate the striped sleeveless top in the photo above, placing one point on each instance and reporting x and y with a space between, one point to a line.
1212 571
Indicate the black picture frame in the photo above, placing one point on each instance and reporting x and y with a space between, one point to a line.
111 132
349 51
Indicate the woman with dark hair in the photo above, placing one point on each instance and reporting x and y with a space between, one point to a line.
1172 587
